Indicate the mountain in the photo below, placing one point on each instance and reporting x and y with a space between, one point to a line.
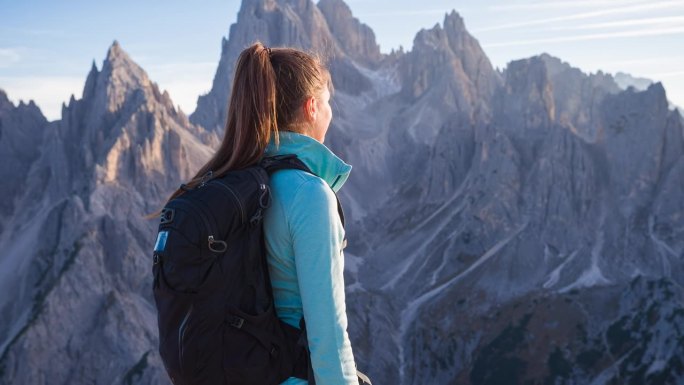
297 23
21 132
505 227
74 263
626 80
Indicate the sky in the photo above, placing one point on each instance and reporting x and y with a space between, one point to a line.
48 47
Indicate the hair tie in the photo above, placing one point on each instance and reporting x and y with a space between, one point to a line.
268 50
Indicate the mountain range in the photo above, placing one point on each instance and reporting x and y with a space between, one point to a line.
515 226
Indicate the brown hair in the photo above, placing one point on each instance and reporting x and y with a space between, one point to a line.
269 87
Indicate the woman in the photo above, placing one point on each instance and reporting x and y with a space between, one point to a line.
302 228
280 104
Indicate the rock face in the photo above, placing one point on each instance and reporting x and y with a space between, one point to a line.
74 262
523 226
21 138
296 23
355 39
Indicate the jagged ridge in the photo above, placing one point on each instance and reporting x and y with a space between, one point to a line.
111 159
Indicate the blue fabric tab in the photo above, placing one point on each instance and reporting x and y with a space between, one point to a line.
161 241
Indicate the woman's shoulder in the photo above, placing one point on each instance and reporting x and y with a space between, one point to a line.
290 185
293 181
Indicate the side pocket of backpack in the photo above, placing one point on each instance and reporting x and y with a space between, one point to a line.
186 264
255 349
186 268
186 281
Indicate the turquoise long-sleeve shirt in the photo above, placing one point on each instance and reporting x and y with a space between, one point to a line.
304 240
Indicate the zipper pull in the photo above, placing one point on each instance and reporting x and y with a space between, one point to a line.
222 246
264 196
205 178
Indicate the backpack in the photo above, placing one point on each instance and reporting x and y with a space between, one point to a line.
216 318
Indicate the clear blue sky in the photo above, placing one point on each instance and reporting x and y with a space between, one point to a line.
47 47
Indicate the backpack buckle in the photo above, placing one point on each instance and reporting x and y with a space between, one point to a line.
166 216
236 322
256 218
206 178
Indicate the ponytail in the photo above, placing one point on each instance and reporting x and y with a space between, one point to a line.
269 88
252 119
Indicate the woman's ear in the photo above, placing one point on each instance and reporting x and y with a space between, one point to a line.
310 109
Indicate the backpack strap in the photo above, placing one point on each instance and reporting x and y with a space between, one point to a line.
290 161
304 343
283 162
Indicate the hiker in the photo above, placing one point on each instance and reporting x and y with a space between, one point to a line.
302 229
280 105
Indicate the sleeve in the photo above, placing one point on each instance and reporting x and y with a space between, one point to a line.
317 235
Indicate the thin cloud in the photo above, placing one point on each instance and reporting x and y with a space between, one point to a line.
9 57
184 92
561 5
597 36
645 62
589 15
672 74
35 32
441 11
184 81
182 68
658 21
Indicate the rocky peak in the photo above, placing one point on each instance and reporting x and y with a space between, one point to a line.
4 101
23 119
121 67
528 94
119 77
454 22
91 81
30 108
294 23
626 80
455 28
463 44
449 58
639 142
355 38
21 138
656 93
112 158
527 74
577 95
274 23
121 81
560 71
126 130
553 64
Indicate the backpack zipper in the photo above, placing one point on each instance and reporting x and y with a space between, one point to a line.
181 333
202 217
200 212
242 210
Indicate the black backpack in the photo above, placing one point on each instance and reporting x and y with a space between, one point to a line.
217 323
